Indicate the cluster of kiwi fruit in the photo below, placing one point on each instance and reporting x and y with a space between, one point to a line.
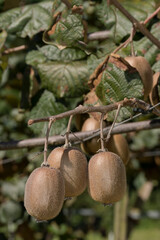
67 174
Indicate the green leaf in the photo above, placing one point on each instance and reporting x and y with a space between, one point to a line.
3 36
69 30
116 85
27 21
156 66
58 6
47 106
142 140
115 21
35 57
10 211
146 48
4 70
67 54
64 79
105 48
93 62
15 189
50 52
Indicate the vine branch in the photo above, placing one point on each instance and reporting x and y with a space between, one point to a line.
59 140
136 23
132 102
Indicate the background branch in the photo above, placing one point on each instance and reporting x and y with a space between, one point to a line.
136 23
100 35
83 136
152 15
15 49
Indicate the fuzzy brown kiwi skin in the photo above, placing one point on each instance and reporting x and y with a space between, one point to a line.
106 177
73 166
44 193
91 146
145 72
118 144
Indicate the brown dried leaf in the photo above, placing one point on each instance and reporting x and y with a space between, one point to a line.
93 80
116 59
121 63
56 19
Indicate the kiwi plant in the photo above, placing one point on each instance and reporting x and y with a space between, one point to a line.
106 177
44 193
145 72
73 166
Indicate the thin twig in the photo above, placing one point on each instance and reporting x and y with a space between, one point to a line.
101 35
67 144
136 23
132 102
151 16
122 45
112 126
101 132
133 31
15 49
81 136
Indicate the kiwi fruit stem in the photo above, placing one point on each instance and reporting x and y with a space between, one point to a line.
67 143
101 133
115 118
45 163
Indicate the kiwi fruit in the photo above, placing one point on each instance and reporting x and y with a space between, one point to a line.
44 193
144 70
73 166
118 144
106 177
93 145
